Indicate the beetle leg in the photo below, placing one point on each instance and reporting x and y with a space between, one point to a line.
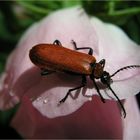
119 101
75 46
46 72
102 62
57 42
69 91
103 100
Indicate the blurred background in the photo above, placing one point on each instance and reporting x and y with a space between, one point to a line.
17 15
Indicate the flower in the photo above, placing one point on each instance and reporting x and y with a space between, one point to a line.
39 115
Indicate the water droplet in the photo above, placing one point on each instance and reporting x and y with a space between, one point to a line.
35 99
90 98
45 101
39 98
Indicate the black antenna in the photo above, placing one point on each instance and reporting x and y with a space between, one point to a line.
124 68
124 112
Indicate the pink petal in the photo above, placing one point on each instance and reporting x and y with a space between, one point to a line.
131 123
119 51
92 120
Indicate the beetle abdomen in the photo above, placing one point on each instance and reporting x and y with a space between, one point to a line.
58 58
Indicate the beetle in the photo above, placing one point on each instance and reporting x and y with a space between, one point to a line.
54 57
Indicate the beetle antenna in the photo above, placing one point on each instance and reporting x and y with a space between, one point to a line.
121 105
124 68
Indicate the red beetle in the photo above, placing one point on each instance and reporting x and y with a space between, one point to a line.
56 58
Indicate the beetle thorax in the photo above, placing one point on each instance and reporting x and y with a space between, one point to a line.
97 71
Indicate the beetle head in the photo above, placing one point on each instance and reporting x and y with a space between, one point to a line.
105 78
99 73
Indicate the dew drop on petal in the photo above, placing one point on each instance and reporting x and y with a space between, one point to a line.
39 98
45 101
90 98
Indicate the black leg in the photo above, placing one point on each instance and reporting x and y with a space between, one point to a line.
57 42
69 91
46 72
90 49
102 62
121 105
103 100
